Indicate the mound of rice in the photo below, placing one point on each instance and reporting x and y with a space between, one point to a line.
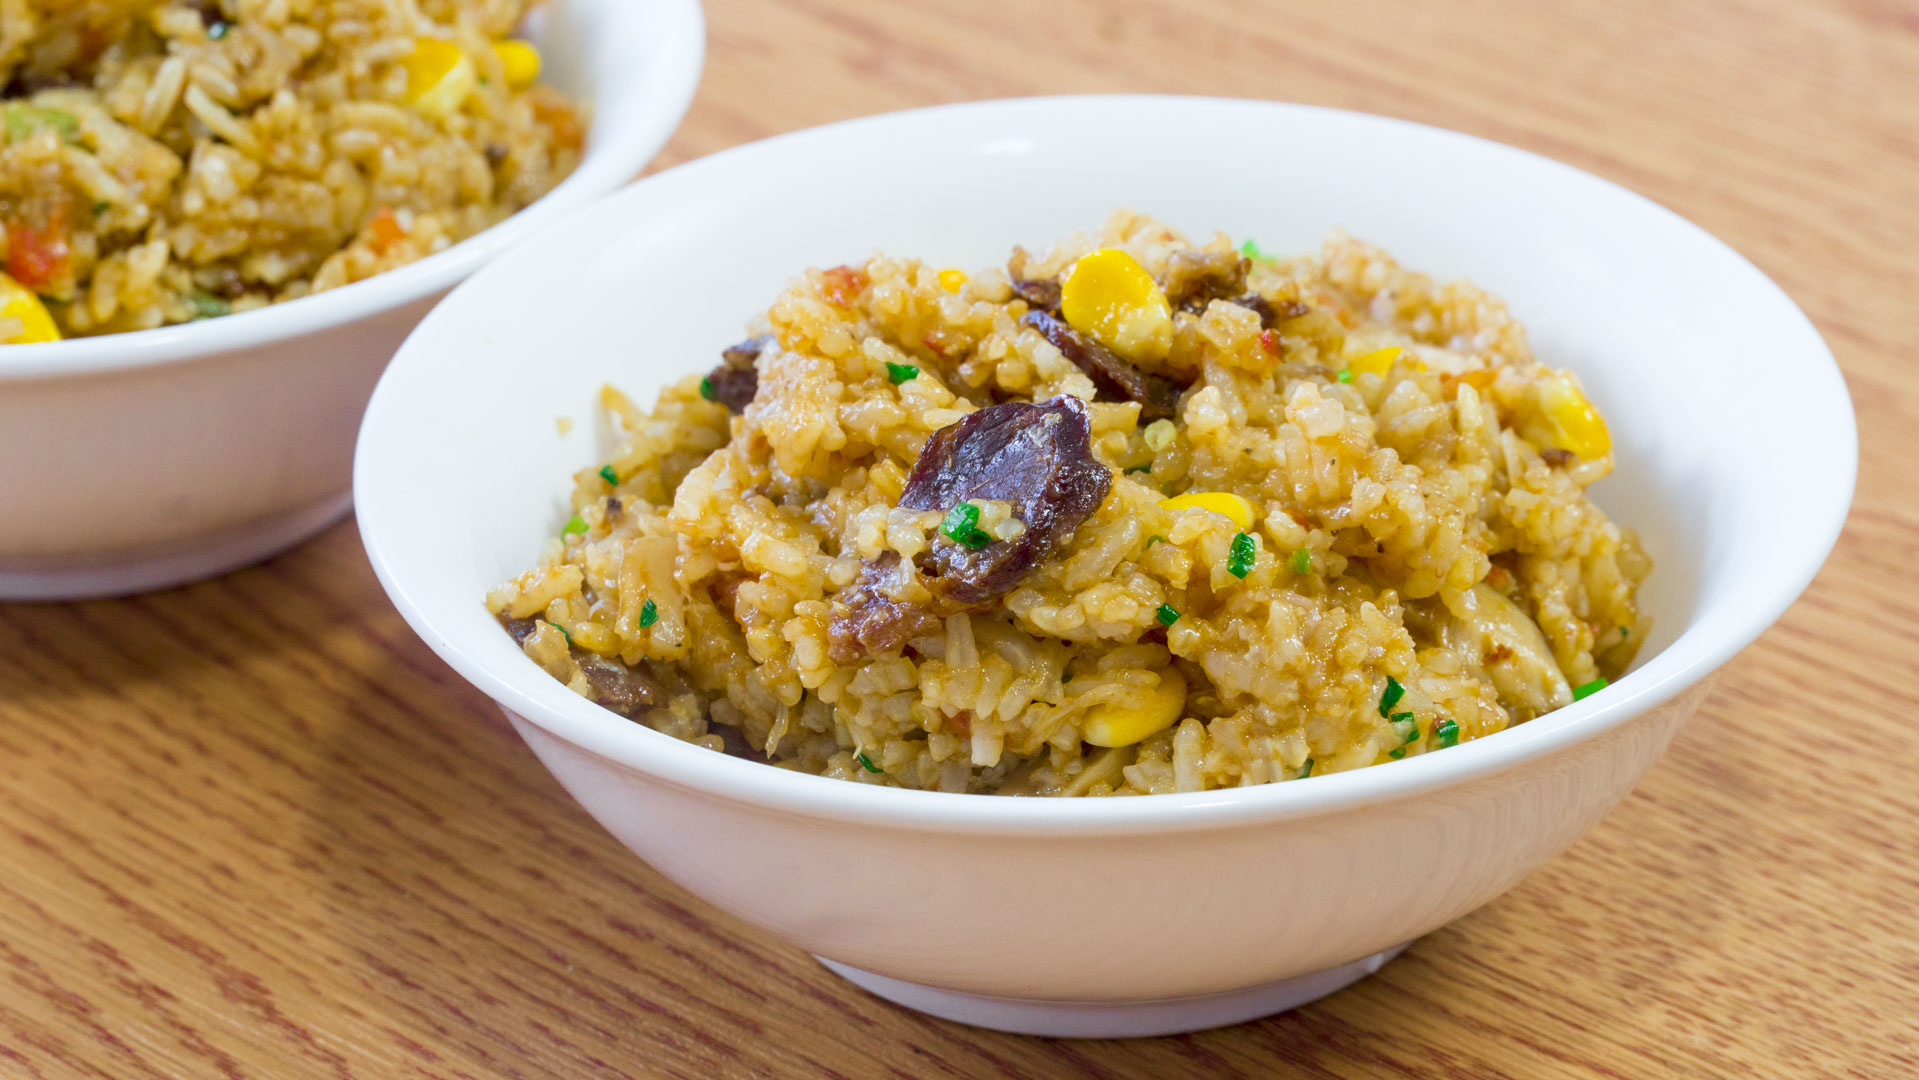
171 161
1425 567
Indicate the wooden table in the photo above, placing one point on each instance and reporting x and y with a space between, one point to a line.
253 828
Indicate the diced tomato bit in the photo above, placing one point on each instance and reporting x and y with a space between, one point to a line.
961 724
386 231
843 285
37 256
1269 340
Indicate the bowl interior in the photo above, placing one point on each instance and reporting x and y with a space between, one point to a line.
1720 395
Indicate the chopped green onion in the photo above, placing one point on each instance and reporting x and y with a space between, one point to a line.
208 306
1396 753
1306 770
1155 539
1251 250
575 526
866 762
218 30
1588 690
100 208
1146 468
900 373
1406 725
1345 375
1623 631
649 613
1390 696
1446 733
961 526
562 630
23 121
484 81
607 474
1168 614
1302 561
1240 558
706 389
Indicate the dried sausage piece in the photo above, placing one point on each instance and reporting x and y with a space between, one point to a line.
1270 314
734 382
1196 278
624 690
1038 457
1113 379
867 620
1041 294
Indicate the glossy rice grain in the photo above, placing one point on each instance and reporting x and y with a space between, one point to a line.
1376 563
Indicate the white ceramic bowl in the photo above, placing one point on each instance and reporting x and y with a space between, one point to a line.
136 461
1736 454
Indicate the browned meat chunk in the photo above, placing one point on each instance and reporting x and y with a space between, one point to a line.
866 620
1270 314
1113 379
1042 294
734 382
1039 458
624 690
1196 278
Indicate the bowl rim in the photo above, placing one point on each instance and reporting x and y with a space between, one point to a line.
1681 666
612 157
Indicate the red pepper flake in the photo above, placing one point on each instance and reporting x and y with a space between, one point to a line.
1269 340
37 256
843 285
386 231
931 340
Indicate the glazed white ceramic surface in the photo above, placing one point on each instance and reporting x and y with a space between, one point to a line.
1110 916
135 461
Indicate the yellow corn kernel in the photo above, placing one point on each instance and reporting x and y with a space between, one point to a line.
1219 502
1377 362
1153 711
1110 295
951 280
438 77
521 61
1566 420
18 304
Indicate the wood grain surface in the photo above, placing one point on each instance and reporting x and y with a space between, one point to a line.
253 828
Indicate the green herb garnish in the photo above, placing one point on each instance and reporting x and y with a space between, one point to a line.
706 388
961 526
24 121
562 630
1306 770
901 373
1302 561
1155 539
575 526
1588 690
1390 696
208 306
1130 469
1406 725
1250 249
1446 733
649 613
1168 614
607 474
1345 375
1623 631
1396 753
100 208
866 762
1241 556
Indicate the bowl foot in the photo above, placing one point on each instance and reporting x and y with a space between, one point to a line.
119 573
1115 1019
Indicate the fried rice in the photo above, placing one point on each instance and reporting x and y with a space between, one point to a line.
1357 532
171 160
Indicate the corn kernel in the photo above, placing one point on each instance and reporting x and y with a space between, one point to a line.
521 61
438 77
951 280
1377 362
1219 502
1566 420
1110 295
1153 711
18 304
